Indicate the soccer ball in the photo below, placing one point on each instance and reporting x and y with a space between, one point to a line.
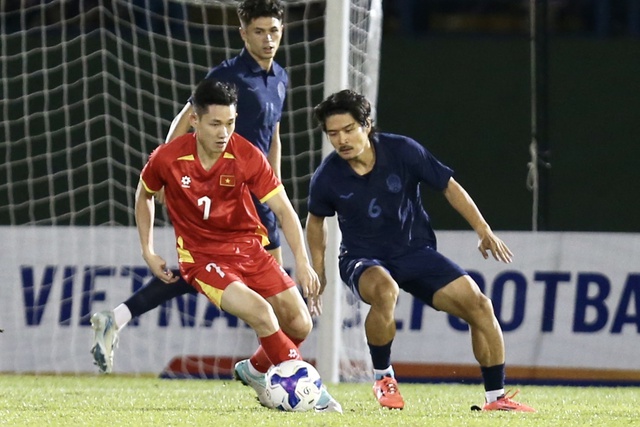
293 385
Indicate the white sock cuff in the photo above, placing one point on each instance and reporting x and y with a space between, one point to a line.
253 371
122 316
380 373
493 395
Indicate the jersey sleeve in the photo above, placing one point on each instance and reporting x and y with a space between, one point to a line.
262 181
217 73
221 73
428 168
319 202
151 173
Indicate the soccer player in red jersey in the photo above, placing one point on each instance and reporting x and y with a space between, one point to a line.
208 177
261 84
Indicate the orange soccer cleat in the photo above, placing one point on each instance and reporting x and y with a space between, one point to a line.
387 393
505 403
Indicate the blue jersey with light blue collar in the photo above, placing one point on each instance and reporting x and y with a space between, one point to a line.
380 214
261 96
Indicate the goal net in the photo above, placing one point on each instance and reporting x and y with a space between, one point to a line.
89 89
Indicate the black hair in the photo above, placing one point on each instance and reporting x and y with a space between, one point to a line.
212 92
249 10
345 102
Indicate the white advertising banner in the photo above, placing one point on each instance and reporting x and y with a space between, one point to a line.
568 304
568 300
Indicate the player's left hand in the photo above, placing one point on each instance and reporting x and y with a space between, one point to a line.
489 242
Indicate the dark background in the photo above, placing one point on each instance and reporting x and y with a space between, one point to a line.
468 101
456 76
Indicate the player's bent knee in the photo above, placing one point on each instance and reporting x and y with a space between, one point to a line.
258 314
263 323
301 330
385 296
478 310
295 322
484 305
378 290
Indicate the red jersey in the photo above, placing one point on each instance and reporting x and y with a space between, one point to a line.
212 211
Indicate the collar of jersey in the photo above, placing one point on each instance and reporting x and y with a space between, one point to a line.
381 159
253 65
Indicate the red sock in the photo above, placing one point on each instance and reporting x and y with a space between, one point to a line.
261 361
296 341
277 348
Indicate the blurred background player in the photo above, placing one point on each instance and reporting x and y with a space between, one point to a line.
261 83
372 182
219 237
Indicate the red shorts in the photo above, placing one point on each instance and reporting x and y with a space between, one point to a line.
211 275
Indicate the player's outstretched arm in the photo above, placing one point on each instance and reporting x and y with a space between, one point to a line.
317 240
274 156
145 212
458 197
292 230
180 124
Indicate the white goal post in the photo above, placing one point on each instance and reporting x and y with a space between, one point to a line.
88 90
352 45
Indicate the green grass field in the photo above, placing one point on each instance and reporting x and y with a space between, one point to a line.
126 401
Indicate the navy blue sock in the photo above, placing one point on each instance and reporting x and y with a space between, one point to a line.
493 377
155 292
380 355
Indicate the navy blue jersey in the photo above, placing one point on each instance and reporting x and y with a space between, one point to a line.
260 96
380 214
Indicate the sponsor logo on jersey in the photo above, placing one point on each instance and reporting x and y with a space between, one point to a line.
394 183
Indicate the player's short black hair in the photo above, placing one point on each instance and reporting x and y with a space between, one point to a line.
344 102
212 92
248 10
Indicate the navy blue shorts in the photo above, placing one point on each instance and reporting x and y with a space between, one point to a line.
421 272
268 219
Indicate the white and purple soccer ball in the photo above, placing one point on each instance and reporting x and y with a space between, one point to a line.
293 385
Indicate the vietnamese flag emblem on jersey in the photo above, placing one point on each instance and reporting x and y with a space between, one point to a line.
227 180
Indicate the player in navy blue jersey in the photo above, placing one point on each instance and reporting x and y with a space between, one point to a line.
372 182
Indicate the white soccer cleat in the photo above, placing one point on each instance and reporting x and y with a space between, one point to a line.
258 383
105 340
326 403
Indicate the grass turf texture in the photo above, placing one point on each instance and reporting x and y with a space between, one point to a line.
138 401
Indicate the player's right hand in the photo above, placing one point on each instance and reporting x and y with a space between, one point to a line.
308 280
314 304
158 267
